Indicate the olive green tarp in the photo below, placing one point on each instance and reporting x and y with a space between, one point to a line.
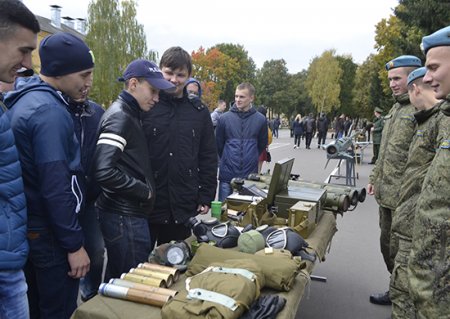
101 307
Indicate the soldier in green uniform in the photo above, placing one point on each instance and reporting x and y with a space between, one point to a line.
384 181
421 153
377 129
429 261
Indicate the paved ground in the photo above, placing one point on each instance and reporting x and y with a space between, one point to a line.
354 267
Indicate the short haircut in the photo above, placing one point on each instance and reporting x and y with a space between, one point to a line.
247 86
176 58
14 13
221 102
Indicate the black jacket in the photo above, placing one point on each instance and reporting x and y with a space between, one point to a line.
183 155
122 162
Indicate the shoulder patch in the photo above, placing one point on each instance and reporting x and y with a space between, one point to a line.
419 133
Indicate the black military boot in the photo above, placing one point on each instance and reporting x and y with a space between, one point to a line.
381 299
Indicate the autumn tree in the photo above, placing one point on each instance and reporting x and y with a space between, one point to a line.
246 67
116 38
213 69
322 83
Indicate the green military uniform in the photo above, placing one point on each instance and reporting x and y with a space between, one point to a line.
398 131
421 153
378 125
429 263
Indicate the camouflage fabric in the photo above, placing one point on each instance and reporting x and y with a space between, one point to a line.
402 304
397 134
378 125
429 263
421 153
386 244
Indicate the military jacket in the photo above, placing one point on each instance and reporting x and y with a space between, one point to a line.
429 268
398 131
421 153
378 125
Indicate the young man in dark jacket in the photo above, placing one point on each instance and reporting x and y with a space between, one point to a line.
183 154
241 136
123 170
18 34
322 129
86 116
50 160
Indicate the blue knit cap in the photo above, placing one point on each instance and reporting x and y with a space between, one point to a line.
63 53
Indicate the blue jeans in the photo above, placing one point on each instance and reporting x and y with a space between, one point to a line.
127 241
95 248
51 292
13 295
224 190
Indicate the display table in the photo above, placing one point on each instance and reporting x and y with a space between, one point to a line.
101 307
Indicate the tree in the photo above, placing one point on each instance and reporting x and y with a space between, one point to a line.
347 82
116 39
322 83
270 80
213 69
367 92
246 68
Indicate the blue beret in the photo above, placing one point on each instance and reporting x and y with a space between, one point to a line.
417 73
403 61
438 39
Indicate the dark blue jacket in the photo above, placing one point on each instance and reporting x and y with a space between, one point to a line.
298 127
50 159
13 214
240 137
86 118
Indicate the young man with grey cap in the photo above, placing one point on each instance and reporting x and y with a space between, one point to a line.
429 260
421 153
50 160
18 36
123 170
384 181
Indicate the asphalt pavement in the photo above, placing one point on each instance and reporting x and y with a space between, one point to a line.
354 267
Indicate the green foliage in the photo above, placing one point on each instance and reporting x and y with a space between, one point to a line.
270 80
116 39
347 82
322 83
246 68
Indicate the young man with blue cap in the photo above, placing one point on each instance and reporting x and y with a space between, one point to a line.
123 170
429 261
50 160
18 37
384 181
421 153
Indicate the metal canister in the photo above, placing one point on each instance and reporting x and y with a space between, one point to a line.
151 281
154 274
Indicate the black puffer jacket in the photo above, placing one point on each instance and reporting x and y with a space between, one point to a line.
122 161
183 155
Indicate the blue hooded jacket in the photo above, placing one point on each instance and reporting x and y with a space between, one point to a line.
50 159
241 137
13 214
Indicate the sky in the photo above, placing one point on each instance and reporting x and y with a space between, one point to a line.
294 30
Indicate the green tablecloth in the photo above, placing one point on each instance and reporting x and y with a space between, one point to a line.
101 307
